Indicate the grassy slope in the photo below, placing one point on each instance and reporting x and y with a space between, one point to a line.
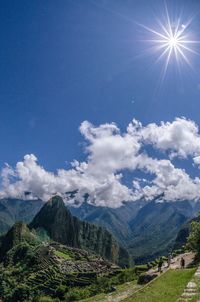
167 288
120 289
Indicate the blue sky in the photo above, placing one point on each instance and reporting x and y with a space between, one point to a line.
64 62
68 61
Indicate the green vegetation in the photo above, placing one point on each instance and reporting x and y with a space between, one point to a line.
193 241
167 288
63 255
128 288
15 287
34 271
102 286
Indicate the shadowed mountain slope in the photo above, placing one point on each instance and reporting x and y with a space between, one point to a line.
64 228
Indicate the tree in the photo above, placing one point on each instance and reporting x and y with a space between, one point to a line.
193 241
22 293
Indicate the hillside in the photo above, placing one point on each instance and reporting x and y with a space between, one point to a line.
183 233
167 288
30 267
154 230
62 227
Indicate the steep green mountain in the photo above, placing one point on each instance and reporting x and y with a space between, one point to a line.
12 210
17 234
30 268
62 227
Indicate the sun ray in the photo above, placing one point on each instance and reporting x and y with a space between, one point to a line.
152 30
162 54
173 41
184 57
190 50
168 21
163 28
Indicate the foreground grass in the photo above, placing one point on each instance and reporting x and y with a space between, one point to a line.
120 289
167 288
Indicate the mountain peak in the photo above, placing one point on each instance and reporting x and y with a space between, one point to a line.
17 234
56 201
61 226
57 220
53 212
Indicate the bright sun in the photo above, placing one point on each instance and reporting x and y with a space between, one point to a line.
172 40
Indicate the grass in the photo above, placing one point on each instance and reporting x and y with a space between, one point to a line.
167 288
63 255
120 289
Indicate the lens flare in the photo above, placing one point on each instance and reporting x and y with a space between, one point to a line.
172 40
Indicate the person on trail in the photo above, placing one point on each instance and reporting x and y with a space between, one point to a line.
182 262
160 263
169 260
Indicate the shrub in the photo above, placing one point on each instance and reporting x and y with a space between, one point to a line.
60 292
76 294
22 293
145 278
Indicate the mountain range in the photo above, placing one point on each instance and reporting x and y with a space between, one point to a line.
145 229
12 210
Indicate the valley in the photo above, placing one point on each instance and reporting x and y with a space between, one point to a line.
56 255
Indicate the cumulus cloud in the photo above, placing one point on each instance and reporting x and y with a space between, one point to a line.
109 153
180 137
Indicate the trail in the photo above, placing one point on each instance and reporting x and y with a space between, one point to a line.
175 263
123 295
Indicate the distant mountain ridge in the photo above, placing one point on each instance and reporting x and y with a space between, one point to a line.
12 210
146 229
116 220
154 230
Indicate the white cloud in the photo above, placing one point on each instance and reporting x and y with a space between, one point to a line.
109 154
180 137
175 183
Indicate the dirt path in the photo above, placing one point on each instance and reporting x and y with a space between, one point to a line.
121 296
188 257
175 263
